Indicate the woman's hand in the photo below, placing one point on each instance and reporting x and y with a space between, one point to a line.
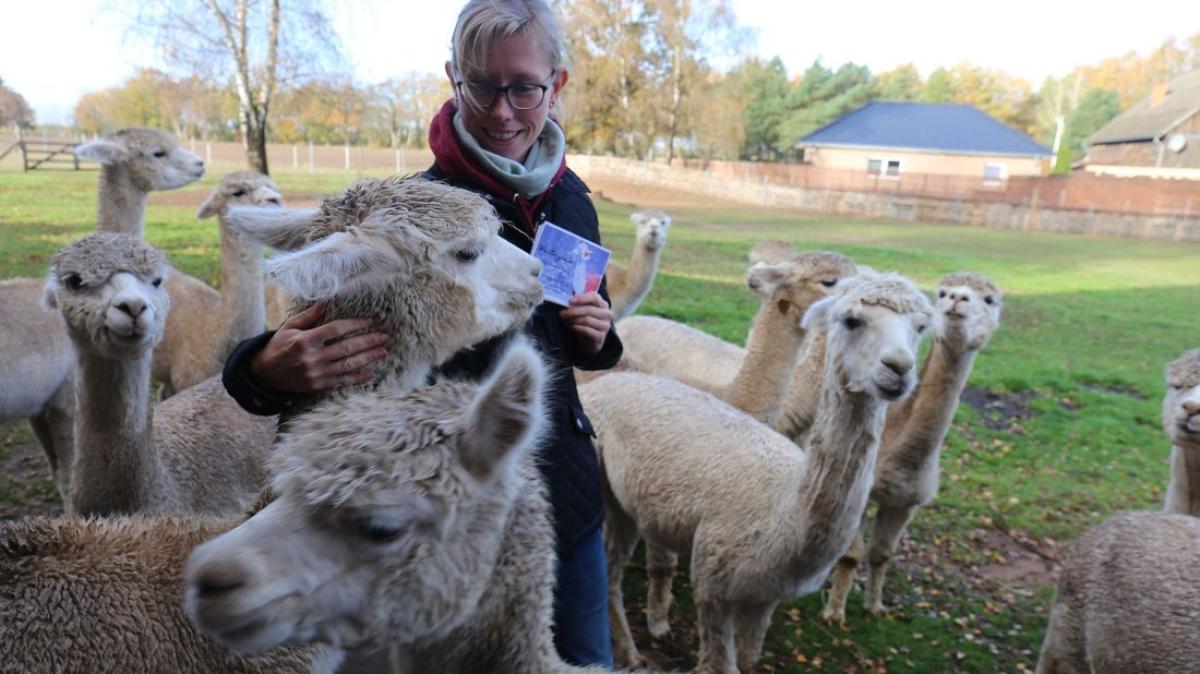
589 318
301 358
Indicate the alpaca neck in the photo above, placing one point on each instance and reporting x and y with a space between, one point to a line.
766 372
799 407
115 462
122 206
838 472
1183 492
640 274
243 312
915 429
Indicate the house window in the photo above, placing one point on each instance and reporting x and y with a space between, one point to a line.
887 168
993 173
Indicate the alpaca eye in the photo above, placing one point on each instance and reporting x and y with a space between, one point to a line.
466 255
852 323
989 299
156 282
920 329
829 282
239 194
160 153
73 281
377 532
941 293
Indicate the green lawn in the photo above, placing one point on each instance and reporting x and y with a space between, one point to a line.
1063 431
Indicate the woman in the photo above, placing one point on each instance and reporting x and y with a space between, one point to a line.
495 137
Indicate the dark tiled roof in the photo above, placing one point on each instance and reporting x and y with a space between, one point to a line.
1145 122
946 127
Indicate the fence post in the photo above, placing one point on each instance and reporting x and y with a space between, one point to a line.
311 161
397 161
295 156
360 152
347 149
208 153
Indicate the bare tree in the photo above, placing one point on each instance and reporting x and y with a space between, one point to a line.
14 109
258 45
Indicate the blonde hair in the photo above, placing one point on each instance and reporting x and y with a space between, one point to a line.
482 23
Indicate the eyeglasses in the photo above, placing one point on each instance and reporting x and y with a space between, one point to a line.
520 96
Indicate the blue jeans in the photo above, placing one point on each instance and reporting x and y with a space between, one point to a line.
581 631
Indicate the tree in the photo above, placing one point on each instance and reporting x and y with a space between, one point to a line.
1096 108
823 95
902 83
14 109
400 108
256 44
939 88
764 88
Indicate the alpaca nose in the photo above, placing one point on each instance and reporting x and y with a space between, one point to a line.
1191 407
132 306
898 364
220 578
960 297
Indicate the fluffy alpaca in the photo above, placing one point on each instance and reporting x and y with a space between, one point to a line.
416 519
906 474
1181 421
753 379
198 453
762 519
204 326
420 258
1126 599
36 359
628 286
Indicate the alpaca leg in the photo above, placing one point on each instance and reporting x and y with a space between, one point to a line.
54 429
1062 653
890 523
660 567
620 538
842 580
714 626
750 629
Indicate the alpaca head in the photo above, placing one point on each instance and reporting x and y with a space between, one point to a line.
109 290
791 286
390 511
422 258
245 188
874 322
652 225
771 251
153 159
1181 404
968 311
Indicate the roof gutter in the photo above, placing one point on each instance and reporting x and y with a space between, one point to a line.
923 150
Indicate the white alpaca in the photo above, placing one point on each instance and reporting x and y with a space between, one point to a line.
204 326
413 519
756 378
906 474
36 359
762 519
198 453
628 286
1126 599
1181 421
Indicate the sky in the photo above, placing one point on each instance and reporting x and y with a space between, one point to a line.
1032 39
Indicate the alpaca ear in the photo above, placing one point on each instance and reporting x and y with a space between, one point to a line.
332 266
274 227
503 420
211 206
49 299
637 217
102 151
817 314
764 278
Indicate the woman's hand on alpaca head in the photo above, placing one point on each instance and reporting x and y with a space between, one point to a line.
303 356
589 317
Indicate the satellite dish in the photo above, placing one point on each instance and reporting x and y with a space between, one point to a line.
1177 142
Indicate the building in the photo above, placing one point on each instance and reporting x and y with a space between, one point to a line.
888 140
1159 136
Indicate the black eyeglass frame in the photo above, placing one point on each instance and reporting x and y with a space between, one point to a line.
498 91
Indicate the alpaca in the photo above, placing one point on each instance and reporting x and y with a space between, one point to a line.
414 519
906 473
36 357
197 453
762 519
204 326
1126 599
756 378
1181 421
628 286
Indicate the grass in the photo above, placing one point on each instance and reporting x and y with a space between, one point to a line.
1075 375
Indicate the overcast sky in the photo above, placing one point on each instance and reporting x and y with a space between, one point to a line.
54 51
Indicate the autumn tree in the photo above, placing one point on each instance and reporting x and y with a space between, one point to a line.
902 83
401 108
14 109
256 44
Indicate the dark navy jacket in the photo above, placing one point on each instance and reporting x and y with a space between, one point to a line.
567 458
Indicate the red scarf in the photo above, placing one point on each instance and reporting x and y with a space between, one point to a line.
450 157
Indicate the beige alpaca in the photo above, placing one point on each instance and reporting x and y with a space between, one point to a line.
414 519
198 453
762 519
1126 599
628 286
36 358
1181 421
204 326
906 474
756 378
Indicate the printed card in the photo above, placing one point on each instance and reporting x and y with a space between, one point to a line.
570 263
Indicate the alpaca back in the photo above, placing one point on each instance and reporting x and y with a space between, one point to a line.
36 356
671 349
1127 598
114 586
177 363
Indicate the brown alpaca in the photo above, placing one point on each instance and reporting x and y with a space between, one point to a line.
628 286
